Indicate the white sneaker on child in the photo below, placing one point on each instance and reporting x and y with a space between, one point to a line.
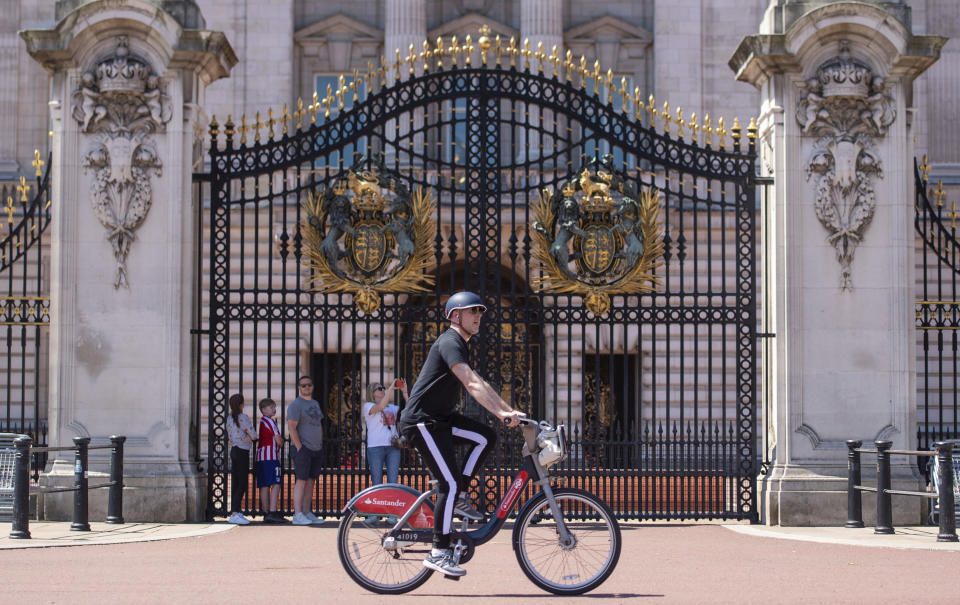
238 519
315 520
301 519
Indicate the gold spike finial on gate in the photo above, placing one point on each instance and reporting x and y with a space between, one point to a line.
412 58
438 52
666 117
555 59
271 122
597 79
298 114
568 66
512 51
314 107
284 120
953 214
355 84
454 49
467 52
752 129
540 57
526 54
681 124
37 163
693 127
939 193
637 104
706 128
652 110
610 87
24 189
228 127
735 132
924 168
425 55
9 210
722 133
214 132
583 72
256 129
497 49
243 129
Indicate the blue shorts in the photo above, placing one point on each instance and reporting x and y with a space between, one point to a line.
268 473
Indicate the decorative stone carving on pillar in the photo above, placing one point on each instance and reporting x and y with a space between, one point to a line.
847 107
123 101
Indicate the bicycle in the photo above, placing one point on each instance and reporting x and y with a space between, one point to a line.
567 541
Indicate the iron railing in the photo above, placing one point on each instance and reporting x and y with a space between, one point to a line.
24 303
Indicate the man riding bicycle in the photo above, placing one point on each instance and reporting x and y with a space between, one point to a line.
431 423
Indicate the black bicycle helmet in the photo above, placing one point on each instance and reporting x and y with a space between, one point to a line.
463 300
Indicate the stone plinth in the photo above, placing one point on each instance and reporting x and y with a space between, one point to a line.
128 84
835 134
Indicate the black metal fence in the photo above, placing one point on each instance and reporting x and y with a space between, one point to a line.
660 385
24 305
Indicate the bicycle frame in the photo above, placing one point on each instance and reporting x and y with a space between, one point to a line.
531 470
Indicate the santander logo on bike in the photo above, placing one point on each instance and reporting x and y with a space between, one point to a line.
379 502
512 494
385 500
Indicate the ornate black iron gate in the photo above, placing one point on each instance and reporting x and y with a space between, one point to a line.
937 313
658 387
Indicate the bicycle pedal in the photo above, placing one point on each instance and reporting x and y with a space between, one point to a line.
454 578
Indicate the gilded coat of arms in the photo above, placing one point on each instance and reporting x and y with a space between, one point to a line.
596 236
367 234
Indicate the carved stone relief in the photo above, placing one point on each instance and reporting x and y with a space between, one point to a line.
847 108
121 100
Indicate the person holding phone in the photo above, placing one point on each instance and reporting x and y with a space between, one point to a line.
380 415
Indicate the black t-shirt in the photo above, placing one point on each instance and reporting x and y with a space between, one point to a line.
437 390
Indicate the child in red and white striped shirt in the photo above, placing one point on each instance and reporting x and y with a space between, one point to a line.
268 462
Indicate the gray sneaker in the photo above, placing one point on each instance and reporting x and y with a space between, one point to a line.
443 563
465 509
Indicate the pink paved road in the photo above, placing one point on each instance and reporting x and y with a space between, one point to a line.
660 564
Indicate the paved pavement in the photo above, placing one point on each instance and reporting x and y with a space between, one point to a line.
660 563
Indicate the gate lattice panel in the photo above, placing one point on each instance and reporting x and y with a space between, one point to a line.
659 392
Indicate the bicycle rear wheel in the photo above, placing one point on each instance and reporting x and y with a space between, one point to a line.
575 567
374 567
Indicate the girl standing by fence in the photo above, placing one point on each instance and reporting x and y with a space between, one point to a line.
240 431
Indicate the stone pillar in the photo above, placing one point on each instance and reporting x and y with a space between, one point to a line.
541 21
405 24
835 134
128 81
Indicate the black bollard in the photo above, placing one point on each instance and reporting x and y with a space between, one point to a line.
948 522
115 499
20 529
854 496
80 514
884 505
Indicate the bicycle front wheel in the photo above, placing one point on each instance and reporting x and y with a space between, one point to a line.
361 550
574 566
